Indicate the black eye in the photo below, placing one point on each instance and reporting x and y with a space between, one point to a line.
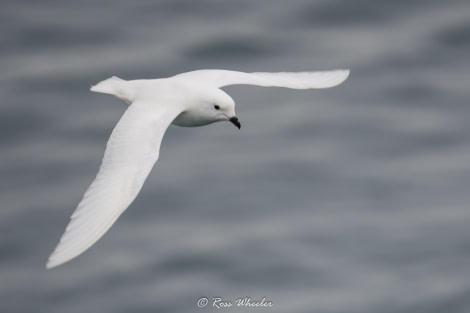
216 107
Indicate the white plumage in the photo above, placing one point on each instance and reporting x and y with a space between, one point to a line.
188 99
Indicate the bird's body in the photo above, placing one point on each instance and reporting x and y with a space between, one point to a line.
188 99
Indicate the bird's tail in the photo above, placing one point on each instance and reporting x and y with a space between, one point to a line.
115 86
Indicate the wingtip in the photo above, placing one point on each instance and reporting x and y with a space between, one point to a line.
50 265
58 258
51 262
343 74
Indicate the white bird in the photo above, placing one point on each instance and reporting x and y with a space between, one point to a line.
188 99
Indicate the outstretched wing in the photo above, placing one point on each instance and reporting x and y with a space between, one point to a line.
131 152
299 80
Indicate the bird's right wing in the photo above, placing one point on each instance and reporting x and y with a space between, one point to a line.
130 154
294 80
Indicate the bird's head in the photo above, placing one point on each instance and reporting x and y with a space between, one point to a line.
209 106
222 108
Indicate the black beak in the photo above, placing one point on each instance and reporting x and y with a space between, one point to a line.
235 122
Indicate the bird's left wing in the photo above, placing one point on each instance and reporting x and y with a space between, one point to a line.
131 152
294 80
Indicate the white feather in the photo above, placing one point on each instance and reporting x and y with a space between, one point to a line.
131 152
294 80
134 145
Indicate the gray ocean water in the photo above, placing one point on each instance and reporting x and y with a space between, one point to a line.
351 199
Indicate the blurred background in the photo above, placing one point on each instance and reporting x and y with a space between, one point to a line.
350 199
